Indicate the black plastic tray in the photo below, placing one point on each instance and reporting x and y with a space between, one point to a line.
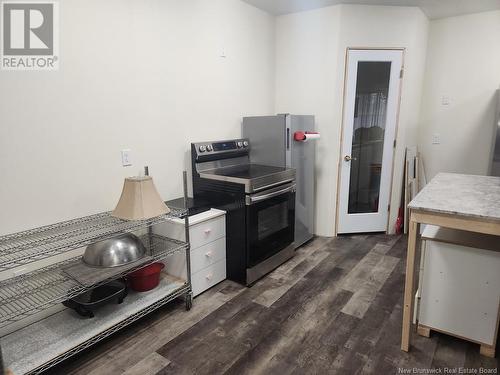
86 303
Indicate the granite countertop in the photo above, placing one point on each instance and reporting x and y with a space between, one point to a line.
461 194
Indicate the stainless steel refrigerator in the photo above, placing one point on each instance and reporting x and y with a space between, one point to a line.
287 141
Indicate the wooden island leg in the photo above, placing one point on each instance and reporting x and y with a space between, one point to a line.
423 331
409 283
487 350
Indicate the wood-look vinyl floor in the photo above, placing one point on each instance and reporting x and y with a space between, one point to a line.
335 308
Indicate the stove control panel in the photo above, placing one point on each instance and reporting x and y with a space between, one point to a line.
222 146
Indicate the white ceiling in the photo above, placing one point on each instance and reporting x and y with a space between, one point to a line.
432 8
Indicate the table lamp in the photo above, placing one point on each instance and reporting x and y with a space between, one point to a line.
139 200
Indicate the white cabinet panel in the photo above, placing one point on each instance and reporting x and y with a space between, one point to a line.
208 277
203 228
208 231
208 254
460 290
175 265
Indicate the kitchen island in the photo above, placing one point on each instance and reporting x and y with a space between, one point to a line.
457 201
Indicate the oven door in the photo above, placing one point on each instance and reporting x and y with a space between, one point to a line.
270 222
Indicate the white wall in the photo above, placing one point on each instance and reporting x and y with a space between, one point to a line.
463 64
307 48
147 75
310 57
144 75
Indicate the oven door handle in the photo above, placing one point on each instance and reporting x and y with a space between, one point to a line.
260 198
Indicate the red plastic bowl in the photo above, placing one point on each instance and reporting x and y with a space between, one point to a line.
146 278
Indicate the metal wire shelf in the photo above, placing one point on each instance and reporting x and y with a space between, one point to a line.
35 244
31 293
170 297
69 334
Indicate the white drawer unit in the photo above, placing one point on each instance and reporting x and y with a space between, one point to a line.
207 237
460 285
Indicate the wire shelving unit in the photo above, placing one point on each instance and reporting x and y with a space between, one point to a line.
36 291
32 292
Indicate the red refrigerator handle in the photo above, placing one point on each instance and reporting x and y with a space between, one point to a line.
301 136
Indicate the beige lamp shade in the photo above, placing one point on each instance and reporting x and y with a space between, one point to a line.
139 200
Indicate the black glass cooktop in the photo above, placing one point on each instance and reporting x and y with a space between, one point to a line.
194 205
247 171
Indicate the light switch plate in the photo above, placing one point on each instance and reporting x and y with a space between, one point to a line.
126 158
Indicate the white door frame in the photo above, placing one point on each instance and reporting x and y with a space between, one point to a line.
347 112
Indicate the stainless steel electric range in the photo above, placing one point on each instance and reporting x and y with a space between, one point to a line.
259 201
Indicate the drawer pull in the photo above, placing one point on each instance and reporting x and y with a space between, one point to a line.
208 254
209 276
207 231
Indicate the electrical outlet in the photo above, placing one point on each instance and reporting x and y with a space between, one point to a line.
436 139
126 158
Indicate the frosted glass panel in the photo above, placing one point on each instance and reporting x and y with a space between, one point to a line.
372 88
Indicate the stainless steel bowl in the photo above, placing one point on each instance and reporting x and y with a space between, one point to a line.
115 251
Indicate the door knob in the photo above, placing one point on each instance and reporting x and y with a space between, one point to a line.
348 158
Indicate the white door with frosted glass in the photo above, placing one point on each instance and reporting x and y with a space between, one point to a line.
371 104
